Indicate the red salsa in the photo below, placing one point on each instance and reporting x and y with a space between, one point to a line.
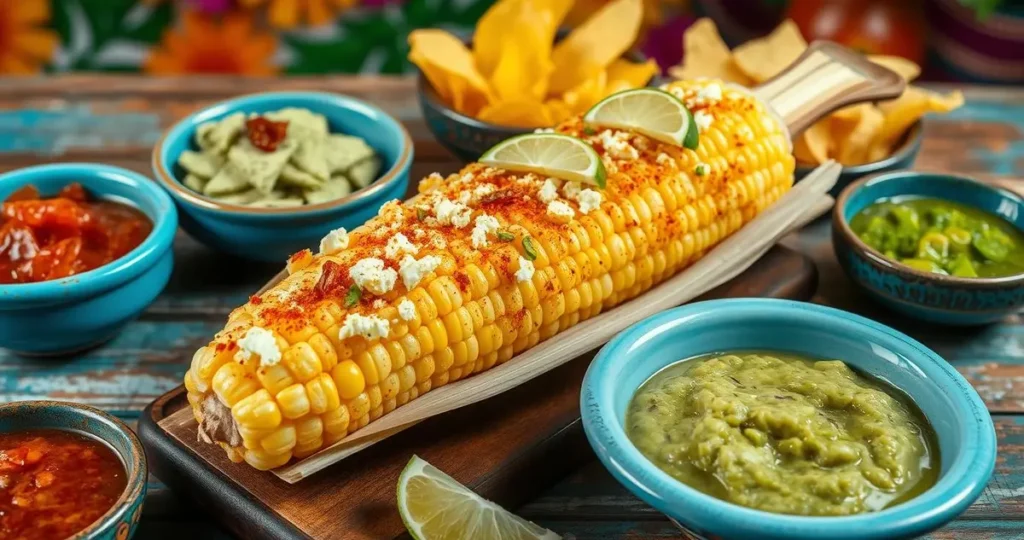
55 483
52 238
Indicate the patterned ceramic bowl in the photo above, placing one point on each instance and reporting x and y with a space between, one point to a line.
120 521
966 436
70 314
272 234
925 295
903 158
465 136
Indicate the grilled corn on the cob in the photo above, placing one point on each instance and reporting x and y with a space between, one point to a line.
481 266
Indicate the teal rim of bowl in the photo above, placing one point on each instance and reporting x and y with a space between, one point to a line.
108 276
186 128
841 224
954 491
135 478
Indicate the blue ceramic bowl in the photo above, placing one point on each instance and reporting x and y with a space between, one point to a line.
272 234
74 313
120 521
924 295
966 437
903 158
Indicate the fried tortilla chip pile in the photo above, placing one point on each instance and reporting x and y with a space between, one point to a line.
854 135
516 75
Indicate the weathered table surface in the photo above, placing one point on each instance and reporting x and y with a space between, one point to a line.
117 119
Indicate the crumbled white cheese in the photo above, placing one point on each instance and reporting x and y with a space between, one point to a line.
484 225
399 244
703 120
701 169
334 242
370 327
371 275
572 190
548 192
589 200
418 233
544 130
393 207
710 93
407 310
617 145
464 197
560 212
665 159
483 190
261 342
466 177
677 92
663 87
412 270
449 213
526 269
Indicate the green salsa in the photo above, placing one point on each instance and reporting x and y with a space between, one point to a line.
943 237
784 434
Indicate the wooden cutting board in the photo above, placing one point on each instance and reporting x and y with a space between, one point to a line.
508 448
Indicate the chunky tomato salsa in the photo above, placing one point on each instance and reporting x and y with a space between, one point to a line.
52 238
55 483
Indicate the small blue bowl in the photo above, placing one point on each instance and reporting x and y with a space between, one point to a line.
903 158
120 521
75 313
966 436
273 234
924 295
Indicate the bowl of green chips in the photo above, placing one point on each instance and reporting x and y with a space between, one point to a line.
266 175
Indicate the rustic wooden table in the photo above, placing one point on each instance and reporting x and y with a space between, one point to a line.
116 120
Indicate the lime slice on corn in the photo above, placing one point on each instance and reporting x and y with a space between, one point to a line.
550 154
436 507
651 112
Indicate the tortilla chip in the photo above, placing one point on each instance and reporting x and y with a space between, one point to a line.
904 111
229 180
521 113
583 97
706 55
335 188
595 44
217 136
301 122
365 172
558 111
260 169
194 182
204 166
623 75
853 131
761 59
905 68
343 151
445 52
811 146
296 177
524 68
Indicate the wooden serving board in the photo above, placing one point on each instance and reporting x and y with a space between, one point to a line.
508 448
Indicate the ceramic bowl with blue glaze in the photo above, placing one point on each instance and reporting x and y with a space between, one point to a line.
902 158
74 313
120 521
925 295
966 436
273 234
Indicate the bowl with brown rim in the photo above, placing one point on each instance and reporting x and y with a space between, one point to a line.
272 234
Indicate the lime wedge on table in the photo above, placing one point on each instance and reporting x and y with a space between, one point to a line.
655 113
436 507
551 154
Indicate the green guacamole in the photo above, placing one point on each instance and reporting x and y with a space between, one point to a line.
943 237
784 434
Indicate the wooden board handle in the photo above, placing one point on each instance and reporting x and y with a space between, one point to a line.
826 77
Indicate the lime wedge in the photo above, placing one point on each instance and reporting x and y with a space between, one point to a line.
550 154
655 113
436 507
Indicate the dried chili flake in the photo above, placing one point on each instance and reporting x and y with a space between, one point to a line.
264 133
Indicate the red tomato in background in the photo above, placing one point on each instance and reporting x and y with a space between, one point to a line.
870 26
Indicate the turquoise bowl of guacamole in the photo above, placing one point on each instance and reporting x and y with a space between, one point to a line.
937 247
772 419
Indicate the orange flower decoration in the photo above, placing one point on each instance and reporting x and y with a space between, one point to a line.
25 45
202 45
290 13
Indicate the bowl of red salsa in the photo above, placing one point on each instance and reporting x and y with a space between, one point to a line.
84 249
68 471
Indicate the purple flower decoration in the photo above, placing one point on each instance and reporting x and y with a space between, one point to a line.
664 43
380 3
212 7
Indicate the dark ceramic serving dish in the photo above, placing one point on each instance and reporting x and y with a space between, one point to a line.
924 295
120 521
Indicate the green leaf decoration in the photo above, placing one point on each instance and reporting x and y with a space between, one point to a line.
108 35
